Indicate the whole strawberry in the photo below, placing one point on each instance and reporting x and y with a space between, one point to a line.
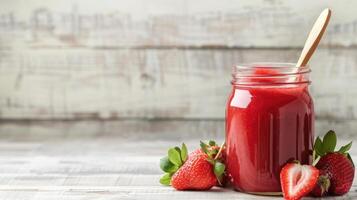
200 170
336 167
195 174
339 170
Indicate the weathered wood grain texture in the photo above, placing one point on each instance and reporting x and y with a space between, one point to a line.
151 83
141 130
171 23
114 60
139 193
121 81
104 168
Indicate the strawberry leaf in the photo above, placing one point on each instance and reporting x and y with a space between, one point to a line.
349 157
318 147
329 142
184 152
219 169
165 179
345 148
204 147
179 151
174 157
167 166
212 143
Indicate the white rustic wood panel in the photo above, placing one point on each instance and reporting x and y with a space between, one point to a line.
154 83
171 23
137 193
100 168
152 130
93 93
147 130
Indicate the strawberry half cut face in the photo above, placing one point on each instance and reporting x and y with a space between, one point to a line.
297 180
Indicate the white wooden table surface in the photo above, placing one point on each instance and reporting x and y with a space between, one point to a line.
102 168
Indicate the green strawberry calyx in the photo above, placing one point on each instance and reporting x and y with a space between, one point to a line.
215 158
328 145
175 158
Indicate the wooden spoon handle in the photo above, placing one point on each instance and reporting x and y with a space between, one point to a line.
314 37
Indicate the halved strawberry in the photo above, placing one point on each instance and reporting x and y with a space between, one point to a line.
297 180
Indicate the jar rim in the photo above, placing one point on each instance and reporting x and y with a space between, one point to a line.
270 73
272 65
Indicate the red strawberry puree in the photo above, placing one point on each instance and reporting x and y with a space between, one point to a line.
269 121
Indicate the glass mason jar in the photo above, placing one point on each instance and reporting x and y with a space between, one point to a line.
269 121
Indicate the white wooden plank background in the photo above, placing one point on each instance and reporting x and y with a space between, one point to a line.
93 93
150 84
57 84
159 59
74 60
104 168
121 23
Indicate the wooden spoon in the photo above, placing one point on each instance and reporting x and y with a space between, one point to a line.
314 37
